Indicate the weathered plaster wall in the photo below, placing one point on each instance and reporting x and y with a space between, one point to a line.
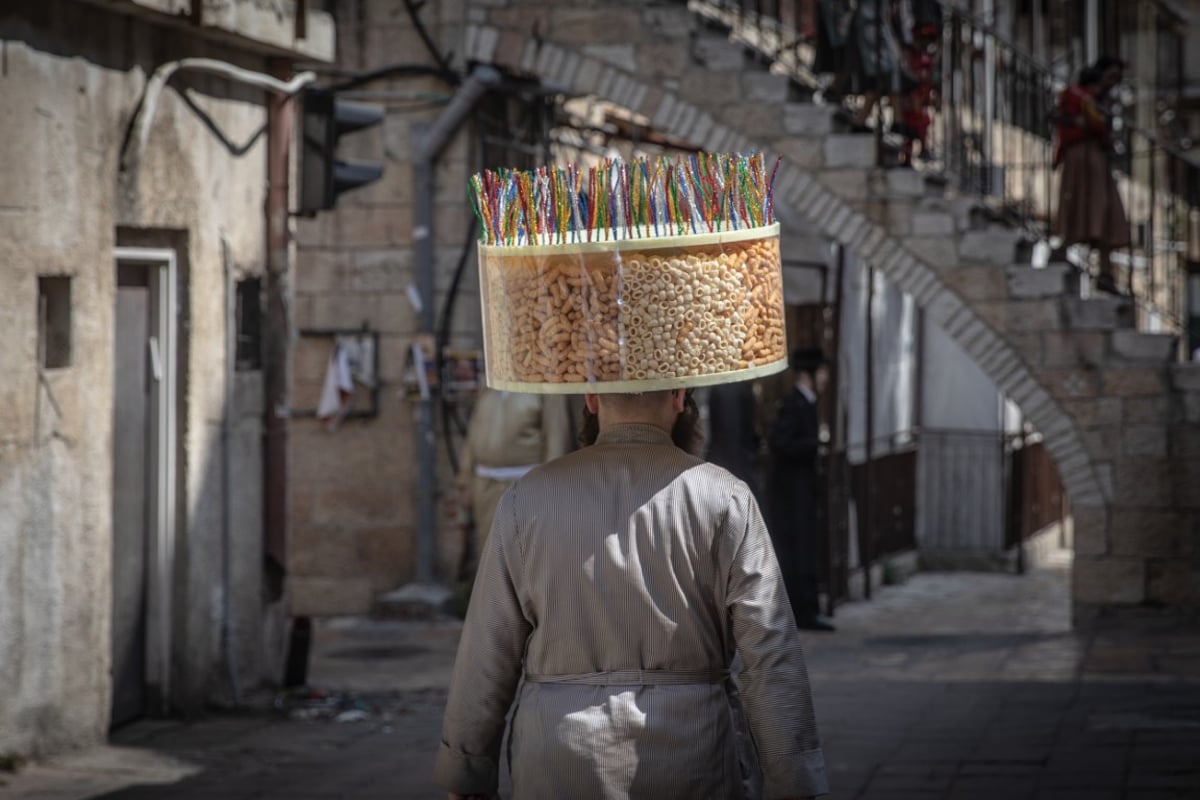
72 75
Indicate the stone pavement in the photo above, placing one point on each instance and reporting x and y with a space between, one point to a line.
951 686
963 685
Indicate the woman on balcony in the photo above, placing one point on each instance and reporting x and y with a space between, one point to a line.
1089 208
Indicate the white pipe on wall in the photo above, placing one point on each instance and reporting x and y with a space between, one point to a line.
149 105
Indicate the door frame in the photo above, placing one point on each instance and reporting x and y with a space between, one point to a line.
161 266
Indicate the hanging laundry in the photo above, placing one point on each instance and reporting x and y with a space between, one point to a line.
351 361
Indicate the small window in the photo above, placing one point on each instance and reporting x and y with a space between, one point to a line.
54 321
249 325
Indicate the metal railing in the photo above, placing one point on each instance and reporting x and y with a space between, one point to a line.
995 134
991 137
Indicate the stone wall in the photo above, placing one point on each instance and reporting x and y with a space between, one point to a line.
72 77
354 489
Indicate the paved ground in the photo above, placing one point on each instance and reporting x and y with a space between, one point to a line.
951 686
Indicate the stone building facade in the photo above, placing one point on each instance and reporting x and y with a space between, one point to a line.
131 529
1104 395
356 488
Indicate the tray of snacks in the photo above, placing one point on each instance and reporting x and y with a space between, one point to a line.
633 276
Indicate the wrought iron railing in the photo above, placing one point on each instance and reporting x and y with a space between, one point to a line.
992 137
995 134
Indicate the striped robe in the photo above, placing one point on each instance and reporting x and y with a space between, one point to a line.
621 580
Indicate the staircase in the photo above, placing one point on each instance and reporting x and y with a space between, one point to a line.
1120 421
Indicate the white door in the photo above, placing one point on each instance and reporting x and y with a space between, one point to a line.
143 512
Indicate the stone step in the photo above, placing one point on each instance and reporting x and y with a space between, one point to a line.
1073 276
979 216
850 150
905 182
1098 313
961 209
713 19
1185 381
759 86
1153 348
801 92
994 244
935 185
931 222
718 54
1028 283
1024 253
808 120
1185 377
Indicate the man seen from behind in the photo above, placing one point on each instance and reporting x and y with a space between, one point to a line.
620 581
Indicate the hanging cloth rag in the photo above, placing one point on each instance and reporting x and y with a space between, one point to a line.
338 391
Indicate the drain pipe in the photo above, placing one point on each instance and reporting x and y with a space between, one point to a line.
277 338
431 141
227 645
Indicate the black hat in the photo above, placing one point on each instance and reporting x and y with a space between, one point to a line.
808 359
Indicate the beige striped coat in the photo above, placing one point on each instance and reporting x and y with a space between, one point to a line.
621 580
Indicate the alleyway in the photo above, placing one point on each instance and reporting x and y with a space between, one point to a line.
950 686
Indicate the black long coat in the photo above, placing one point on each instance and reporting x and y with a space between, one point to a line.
792 499
733 440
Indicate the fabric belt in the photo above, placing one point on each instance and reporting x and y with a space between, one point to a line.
503 473
636 677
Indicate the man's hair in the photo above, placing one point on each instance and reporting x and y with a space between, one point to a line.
686 433
589 428
1105 62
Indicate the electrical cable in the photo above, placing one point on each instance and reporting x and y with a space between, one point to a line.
441 60
447 75
449 411
443 337
148 106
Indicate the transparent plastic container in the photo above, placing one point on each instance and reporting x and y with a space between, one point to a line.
635 314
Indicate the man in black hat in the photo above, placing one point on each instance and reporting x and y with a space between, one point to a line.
792 487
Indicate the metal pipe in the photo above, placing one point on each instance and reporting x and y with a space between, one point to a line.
989 98
1091 21
831 497
277 329
1038 33
1015 501
481 79
1152 163
918 412
227 645
879 91
868 537
431 141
